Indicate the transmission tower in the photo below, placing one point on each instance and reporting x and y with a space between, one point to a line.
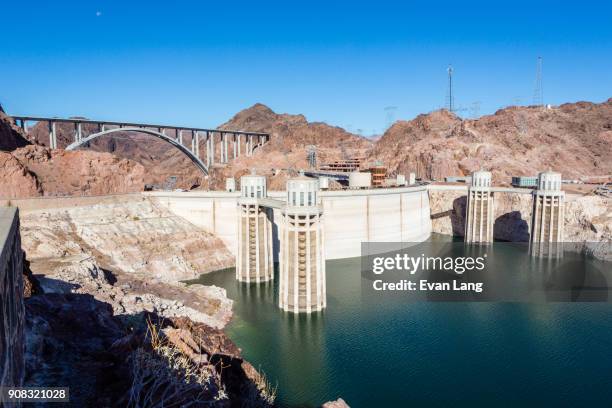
312 156
390 115
450 98
538 92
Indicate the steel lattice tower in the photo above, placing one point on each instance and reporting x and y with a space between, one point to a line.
450 98
538 92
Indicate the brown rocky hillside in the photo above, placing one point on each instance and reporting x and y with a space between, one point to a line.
290 136
574 138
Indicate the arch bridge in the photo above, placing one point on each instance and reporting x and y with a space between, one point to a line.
190 141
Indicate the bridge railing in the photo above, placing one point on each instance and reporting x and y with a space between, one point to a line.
218 145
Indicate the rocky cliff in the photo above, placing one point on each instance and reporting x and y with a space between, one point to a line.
11 136
35 171
574 138
129 253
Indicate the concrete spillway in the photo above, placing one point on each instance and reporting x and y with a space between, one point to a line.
351 216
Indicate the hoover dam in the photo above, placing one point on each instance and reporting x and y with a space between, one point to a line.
350 216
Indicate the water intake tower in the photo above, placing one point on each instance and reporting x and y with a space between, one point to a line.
302 258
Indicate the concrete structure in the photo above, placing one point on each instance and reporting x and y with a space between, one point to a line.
87 130
379 173
479 215
230 185
359 179
400 180
12 313
302 258
412 179
458 179
254 260
525 181
323 183
339 176
351 216
548 214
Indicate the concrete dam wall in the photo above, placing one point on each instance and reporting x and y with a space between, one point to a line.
12 312
349 216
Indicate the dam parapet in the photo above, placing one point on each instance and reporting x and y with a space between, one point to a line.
12 318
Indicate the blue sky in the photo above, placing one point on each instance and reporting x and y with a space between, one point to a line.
196 63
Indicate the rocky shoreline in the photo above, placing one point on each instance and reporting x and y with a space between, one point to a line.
105 303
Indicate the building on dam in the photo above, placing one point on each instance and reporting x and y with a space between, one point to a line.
479 215
302 257
255 259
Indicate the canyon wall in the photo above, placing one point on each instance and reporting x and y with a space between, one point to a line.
12 313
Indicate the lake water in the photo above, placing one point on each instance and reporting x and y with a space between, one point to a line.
384 351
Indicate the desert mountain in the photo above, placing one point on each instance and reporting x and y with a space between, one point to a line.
288 148
574 138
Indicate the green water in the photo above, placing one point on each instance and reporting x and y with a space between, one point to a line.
382 351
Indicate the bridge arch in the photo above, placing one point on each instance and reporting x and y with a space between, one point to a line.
195 159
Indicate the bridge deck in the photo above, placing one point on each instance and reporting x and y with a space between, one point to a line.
130 124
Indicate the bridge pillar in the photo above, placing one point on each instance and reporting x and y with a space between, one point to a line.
79 131
179 136
52 135
235 150
480 213
211 147
195 143
302 257
255 259
223 148
239 142
24 126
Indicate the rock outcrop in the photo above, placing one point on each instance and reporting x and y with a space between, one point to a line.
35 170
339 403
575 139
130 254
11 136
